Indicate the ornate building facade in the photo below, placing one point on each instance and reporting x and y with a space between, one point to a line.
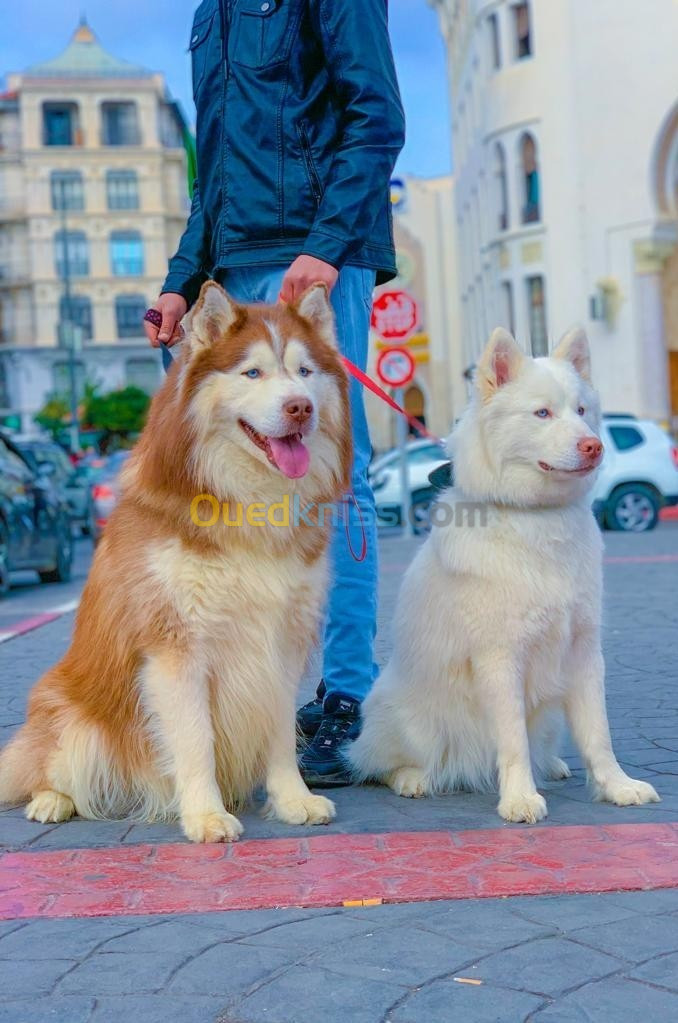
565 136
93 199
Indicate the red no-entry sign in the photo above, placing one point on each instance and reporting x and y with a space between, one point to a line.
395 367
394 315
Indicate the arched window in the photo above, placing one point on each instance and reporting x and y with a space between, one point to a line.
127 254
129 315
501 187
529 165
71 252
122 190
77 310
67 190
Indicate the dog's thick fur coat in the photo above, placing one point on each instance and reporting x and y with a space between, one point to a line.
177 695
497 628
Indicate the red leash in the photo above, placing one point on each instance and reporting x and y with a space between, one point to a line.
374 387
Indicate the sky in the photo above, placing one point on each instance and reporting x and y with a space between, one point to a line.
143 32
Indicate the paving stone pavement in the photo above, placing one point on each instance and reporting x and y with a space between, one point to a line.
565 958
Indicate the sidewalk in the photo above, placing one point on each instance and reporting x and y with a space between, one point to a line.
91 935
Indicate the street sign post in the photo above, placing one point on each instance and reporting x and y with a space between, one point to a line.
395 368
395 315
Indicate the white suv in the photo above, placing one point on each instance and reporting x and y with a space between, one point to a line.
638 476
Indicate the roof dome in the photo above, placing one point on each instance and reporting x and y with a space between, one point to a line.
85 57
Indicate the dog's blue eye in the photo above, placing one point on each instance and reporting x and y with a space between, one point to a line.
304 371
542 413
252 373
581 410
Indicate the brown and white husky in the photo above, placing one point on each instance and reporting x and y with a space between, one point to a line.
177 695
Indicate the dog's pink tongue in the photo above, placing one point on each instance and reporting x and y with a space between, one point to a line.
290 455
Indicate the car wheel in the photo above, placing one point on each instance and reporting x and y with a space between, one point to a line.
633 508
61 573
4 559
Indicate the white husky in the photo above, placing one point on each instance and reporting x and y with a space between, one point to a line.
497 629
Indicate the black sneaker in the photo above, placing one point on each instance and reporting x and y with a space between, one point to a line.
310 715
322 764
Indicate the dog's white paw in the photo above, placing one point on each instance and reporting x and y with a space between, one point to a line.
50 807
308 809
556 769
218 826
529 808
627 791
410 782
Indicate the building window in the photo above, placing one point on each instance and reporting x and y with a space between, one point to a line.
501 187
129 315
77 310
529 165
61 124
508 317
143 373
71 251
127 254
119 124
122 190
537 315
494 41
521 15
171 133
62 378
67 189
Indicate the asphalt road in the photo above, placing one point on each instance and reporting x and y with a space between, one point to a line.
29 597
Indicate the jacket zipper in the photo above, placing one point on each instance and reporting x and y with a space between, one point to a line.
312 173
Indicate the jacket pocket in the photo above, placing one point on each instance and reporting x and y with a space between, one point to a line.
259 33
309 163
199 47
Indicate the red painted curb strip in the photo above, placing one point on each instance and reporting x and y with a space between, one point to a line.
329 870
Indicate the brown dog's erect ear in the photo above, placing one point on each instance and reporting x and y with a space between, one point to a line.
500 363
314 306
212 316
574 347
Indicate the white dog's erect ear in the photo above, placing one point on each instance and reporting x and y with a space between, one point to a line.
314 306
214 313
500 363
574 347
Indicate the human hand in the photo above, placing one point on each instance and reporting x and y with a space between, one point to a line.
172 308
304 272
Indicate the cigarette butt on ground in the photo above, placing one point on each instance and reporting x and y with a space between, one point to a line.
467 980
361 902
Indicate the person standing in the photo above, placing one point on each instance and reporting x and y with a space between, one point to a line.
299 123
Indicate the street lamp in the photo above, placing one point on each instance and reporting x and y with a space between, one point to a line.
70 333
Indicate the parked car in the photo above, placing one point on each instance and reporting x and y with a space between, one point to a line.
41 455
35 523
638 475
106 491
423 456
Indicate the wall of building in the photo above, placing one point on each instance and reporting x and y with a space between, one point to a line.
594 95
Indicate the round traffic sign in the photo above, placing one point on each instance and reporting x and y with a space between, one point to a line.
394 315
395 366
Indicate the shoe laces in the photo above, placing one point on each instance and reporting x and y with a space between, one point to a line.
332 731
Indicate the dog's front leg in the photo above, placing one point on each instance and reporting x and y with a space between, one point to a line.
289 799
500 683
176 693
587 715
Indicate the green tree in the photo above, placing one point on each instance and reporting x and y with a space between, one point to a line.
119 414
54 413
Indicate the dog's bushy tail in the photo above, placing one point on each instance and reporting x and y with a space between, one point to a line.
22 766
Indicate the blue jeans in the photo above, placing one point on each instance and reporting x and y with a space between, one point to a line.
350 626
